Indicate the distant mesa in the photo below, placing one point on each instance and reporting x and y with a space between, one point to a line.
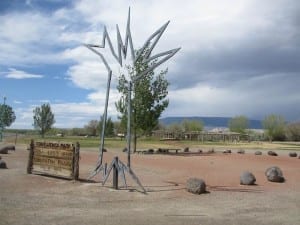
209 122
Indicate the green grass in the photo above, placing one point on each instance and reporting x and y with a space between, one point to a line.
147 143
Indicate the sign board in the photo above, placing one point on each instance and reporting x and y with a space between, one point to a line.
56 159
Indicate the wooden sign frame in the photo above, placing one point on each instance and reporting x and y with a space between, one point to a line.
54 159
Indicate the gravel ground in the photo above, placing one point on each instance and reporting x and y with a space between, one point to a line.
34 199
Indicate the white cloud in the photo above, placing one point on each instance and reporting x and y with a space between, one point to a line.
18 74
30 38
237 57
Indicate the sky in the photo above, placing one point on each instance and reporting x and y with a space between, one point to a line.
237 57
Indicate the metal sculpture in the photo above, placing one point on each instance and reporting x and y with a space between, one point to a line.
122 50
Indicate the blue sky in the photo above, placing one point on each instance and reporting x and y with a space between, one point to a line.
237 57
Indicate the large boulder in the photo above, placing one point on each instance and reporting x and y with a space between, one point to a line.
186 149
6 148
228 151
293 154
2 164
241 151
3 151
247 178
258 153
196 186
150 151
210 151
274 174
272 153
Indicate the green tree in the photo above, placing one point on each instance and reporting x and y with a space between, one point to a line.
192 125
43 119
292 131
176 129
148 97
238 124
7 117
92 127
274 126
109 127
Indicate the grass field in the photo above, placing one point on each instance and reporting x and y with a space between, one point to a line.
147 143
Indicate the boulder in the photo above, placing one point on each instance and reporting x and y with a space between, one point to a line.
274 174
186 149
227 151
6 148
2 164
150 151
247 178
196 186
210 151
3 151
241 151
258 153
272 153
293 154
159 150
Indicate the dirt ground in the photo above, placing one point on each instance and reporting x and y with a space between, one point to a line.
34 199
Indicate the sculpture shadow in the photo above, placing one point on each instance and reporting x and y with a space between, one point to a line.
234 189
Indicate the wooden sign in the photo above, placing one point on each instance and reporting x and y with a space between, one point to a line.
56 159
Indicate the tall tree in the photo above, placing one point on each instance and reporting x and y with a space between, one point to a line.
92 127
7 117
148 97
192 125
109 127
238 124
43 118
274 126
292 131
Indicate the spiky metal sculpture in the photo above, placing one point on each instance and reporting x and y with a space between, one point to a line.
122 50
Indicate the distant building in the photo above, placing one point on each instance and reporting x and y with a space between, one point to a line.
217 135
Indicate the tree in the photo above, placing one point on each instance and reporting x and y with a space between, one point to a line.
192 125
43 118
109 127
238 124
274 127
92 127
7 115
148 97
292 131
176 129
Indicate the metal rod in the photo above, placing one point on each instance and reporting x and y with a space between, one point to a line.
129 123
116 174
102 137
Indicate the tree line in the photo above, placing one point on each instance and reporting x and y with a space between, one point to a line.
275 127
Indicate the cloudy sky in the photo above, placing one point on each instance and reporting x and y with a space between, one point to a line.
237 57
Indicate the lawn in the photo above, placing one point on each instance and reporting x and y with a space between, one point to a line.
147 143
